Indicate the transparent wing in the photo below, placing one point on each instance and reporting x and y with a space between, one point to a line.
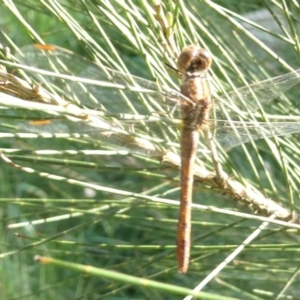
232 134
259 94
103 133
119 95
106 94
98 87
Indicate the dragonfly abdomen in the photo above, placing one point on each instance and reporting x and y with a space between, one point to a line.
189 144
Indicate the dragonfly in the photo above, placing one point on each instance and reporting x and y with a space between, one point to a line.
193 63
104 102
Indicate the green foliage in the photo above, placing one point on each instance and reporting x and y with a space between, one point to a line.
117 211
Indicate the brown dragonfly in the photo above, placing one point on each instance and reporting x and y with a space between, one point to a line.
109 102
193 63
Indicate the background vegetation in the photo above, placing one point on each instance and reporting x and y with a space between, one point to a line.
102 210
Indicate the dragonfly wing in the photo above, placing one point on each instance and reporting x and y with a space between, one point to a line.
97 132
250 98
232 134
103 88
118 93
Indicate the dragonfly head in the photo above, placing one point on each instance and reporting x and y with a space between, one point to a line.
194 59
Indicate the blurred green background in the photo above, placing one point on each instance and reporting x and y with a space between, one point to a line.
76 218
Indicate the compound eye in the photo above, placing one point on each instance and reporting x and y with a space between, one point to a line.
194 59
